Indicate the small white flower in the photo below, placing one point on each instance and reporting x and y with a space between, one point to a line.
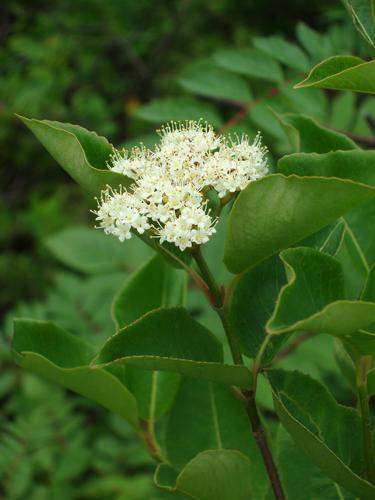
169 182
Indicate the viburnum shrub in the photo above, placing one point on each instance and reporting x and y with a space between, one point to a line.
297 239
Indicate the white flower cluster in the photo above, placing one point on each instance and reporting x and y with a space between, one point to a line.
170 183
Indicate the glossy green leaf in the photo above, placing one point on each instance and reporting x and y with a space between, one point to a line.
165 287
249 62
342 73
307 136
62 358
91 251
82 154
171 340
251 304
178 108
214 82
356 165
314 298
211 475
277 212
360 10
328 433
285 52
207 416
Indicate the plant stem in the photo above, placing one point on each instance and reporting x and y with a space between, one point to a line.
363 366
258 362
261 440
216 298
231 336
248 397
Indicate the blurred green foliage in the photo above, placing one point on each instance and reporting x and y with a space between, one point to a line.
122 68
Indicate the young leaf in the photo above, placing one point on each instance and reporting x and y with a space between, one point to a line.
82 154
249 62
170 340
207 416
276 212
307 136
57 356
211 475
342 73
328 433
285 52
314 298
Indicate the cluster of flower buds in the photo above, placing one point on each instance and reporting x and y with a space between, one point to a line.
168 195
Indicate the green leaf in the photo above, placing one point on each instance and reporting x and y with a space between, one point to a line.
359 221
91 251
356 165
295 207
328 240
264 119
154 391
328 433
62 358
251 305
211 475
342 73
82 154
314 298
343 111
170 340
207 416
205 80
307 136
298 473
165 287
249 62
178 108
353 263
317 45
285 52
304 101
361 13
